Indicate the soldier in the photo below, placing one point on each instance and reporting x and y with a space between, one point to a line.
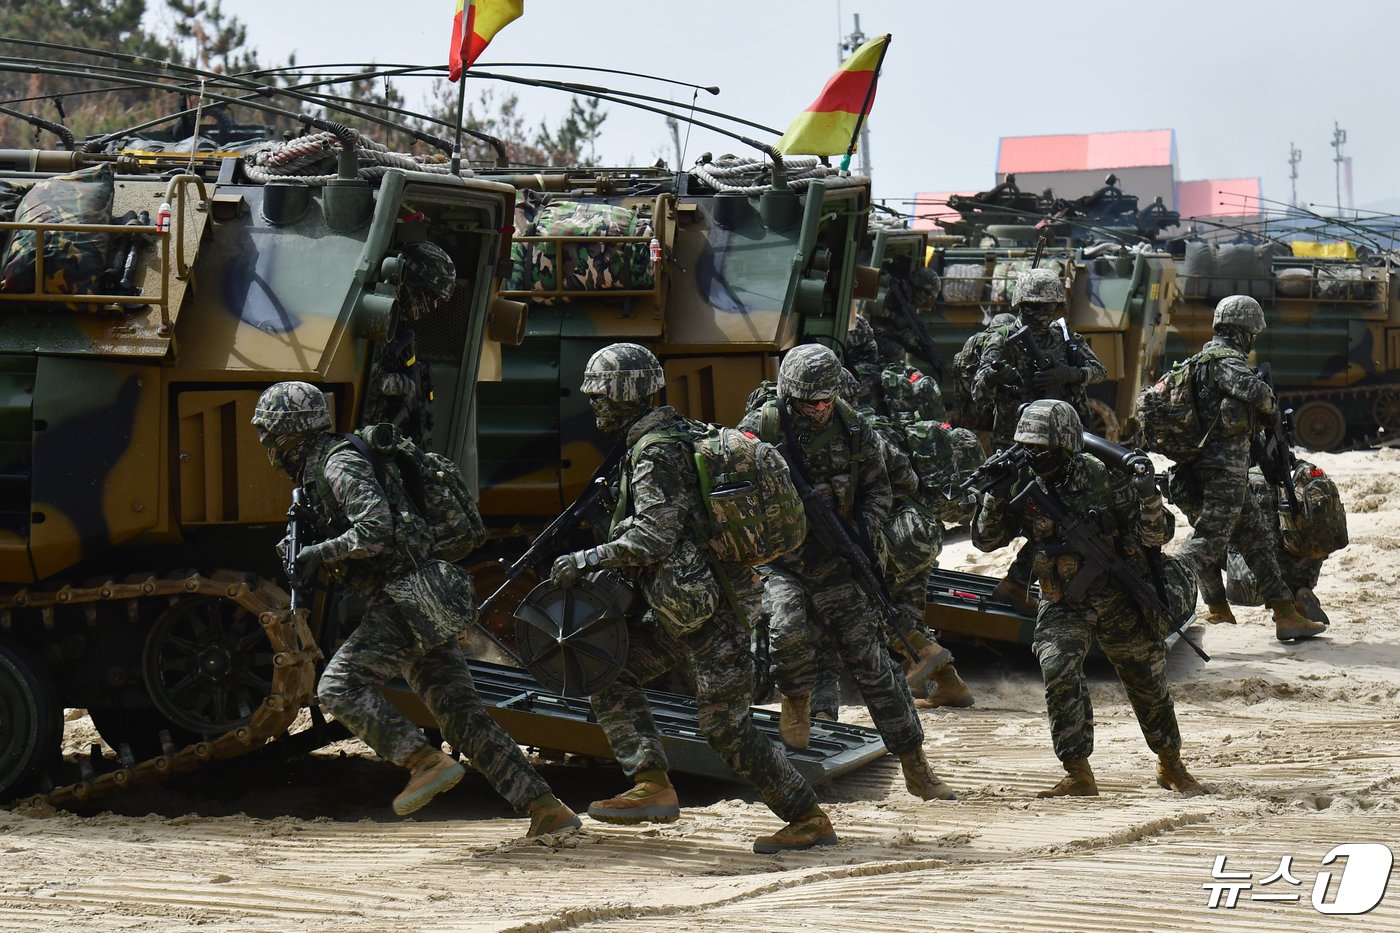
695 615
894 336
415 607
886 380
401 385
1302 542
1211 488
811 593
976 415
1008 377
1131 512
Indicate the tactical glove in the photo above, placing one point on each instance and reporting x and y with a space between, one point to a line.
309 562
568 569
1005 375
1056 377
1145 485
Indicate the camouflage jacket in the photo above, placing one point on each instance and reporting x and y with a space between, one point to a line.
1061 346
1086 489
400 386
1229 395
369 532
843 459
662 503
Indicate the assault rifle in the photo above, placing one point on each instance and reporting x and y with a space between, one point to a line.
298 522
554 540
1081 535
1276 459
831 531
900 298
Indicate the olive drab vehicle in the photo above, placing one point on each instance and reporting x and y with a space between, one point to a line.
138 574
1120 299
1333 335
716 282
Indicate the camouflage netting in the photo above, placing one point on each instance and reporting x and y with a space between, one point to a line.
581 266
73 261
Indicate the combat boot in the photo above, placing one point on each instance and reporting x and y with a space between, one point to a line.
1289 625
928 657
1077 782
1306 601
794 721
1172 775
651 800
1014 591
922 782
1219 612
550 816
430 773
949 690
824 716
805 832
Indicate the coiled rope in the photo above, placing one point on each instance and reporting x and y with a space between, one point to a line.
311 159
753 176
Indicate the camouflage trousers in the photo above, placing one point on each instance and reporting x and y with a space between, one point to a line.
1298 573
912 542
382 647
805 605
1063 634
1217 502
718 654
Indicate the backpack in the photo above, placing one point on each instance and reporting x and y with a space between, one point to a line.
1168 422
1321 524
977 414
753 513
433 484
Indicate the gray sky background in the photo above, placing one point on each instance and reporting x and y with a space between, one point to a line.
1237 79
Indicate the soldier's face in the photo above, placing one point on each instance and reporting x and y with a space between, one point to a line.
817 411
612 416
1036 315
1047 461
284 451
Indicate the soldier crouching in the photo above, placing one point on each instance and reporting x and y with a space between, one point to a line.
1137 521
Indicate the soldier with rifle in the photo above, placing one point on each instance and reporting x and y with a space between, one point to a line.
1211 486
370 536
698 613
1095 535
830 587
1037 359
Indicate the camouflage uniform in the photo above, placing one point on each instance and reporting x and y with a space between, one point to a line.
1006 375
1212 488
973 413
894 338
811 594
659 543
401 385
1065 627
414 608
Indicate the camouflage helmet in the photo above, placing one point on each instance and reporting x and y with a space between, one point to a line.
1050 423
429 276
1041 286
1004 319
292 408
624 372
1241 311
811 373
850 386
860 343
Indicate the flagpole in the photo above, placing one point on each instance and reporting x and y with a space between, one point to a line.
865 105
461 110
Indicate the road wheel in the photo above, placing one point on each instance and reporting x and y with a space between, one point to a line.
31 720
1385 410
207 665
1319 425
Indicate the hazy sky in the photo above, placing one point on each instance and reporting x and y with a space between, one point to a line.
1237 79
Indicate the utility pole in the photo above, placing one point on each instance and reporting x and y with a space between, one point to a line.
1295 155
1339 136
852 42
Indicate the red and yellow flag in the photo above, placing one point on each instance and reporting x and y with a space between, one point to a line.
474 25
829 125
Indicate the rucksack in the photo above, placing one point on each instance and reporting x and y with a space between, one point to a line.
433 484
1167 416
1320 526
754 513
